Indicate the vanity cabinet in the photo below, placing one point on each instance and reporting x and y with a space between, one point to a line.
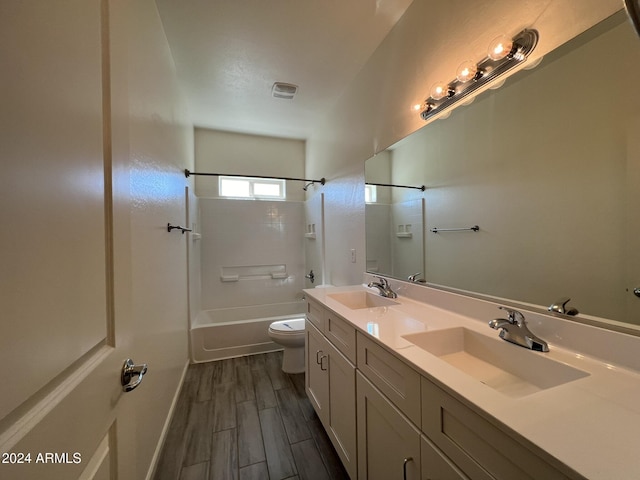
331 388
387 421
398 381
388 444
317 370
435 465
315 314
476 446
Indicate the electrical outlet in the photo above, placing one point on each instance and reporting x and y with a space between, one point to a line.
353 255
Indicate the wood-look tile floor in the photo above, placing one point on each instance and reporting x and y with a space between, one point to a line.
245 419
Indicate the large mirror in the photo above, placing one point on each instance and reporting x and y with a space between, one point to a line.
394 222
548 167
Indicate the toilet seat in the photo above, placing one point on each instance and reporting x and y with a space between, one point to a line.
290 335
288 327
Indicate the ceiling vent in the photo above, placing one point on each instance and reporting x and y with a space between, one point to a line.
284 90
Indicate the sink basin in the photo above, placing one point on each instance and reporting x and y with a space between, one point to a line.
507 368
361 299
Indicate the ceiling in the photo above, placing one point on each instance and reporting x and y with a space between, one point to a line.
229 53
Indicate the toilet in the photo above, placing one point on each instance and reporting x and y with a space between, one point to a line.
290 334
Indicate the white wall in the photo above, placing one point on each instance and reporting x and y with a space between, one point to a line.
243 237
426 46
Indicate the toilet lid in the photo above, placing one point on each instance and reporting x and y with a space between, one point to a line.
295 325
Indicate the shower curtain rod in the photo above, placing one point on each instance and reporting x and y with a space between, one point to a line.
421 187
187 174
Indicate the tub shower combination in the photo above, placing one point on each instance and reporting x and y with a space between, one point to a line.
231 332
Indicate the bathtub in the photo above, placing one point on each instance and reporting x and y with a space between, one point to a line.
232 332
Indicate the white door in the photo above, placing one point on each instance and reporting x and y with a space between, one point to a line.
64 265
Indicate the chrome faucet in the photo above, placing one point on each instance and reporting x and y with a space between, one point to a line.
384 288
514 329
561 307
414 277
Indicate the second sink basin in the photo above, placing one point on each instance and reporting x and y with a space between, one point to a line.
361 299
509 369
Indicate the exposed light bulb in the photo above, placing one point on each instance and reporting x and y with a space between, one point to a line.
439 90
467 71
418 106
500 47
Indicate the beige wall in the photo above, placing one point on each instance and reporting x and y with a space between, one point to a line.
374 112
250 155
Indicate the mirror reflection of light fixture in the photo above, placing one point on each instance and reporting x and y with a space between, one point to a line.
440 90
504 54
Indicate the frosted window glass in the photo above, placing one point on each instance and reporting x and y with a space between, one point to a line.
267 189
234 188
248 187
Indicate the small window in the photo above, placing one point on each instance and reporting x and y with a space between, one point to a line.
370 194
248 187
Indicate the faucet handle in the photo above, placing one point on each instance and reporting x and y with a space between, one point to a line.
514 316
560 306
383 281
414 277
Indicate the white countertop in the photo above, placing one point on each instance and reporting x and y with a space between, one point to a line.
592 424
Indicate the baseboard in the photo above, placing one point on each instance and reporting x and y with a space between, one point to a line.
167 424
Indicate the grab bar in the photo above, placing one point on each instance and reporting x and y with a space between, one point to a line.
475 228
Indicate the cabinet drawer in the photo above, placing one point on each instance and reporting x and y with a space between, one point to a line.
315 314
341 333
475 445
398 381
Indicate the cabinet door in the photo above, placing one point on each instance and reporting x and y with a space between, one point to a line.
317 369
435 465
341 426
388 445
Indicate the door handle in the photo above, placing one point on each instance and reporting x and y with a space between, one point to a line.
322 367
318 353
404 467
132 375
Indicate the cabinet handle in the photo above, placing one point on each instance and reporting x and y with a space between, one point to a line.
318 359
322 367
404 467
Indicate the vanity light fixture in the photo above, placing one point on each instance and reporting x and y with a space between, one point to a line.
441 90
468 71
504 53
500 47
